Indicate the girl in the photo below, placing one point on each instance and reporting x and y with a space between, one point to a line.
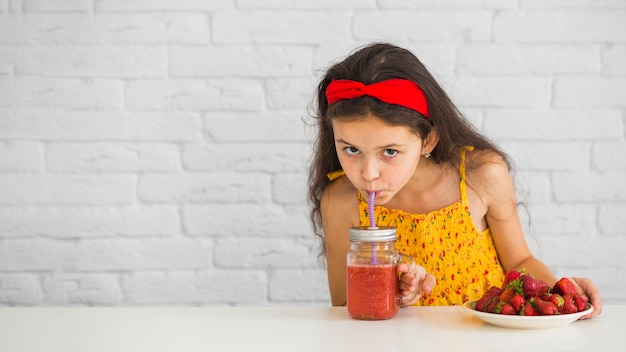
387 127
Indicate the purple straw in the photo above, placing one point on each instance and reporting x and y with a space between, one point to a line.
370 210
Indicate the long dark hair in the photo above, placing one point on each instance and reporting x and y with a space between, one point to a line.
373 63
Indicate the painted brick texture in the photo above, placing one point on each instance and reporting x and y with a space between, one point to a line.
155 152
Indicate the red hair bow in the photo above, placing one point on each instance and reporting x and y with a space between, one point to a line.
395 91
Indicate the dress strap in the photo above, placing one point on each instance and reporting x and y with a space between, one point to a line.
463 184
335 175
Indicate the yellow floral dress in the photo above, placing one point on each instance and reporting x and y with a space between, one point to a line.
446 243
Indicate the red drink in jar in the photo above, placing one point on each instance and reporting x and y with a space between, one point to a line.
372 274
373 291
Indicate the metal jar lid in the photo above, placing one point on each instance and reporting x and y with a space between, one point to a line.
372 234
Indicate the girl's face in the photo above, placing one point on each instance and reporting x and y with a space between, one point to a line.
377 157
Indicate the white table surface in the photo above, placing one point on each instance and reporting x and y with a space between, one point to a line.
289 329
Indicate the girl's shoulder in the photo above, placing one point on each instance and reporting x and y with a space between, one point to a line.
484 160
340 188
339 196
339 208
486 167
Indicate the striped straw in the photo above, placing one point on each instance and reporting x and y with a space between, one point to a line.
370 210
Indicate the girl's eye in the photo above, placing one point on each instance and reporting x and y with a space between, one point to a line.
390 152
351 150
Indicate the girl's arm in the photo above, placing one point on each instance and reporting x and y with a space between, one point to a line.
504 222
494 184
339 210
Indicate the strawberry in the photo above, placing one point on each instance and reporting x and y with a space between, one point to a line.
532 286
495 308
580 302
507 309
556 299
568 305
494 291
564 287
518 302
503 308
528 310
492 304
545 296
507 294
510 276
544 307
481 303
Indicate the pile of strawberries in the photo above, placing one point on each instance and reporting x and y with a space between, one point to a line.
523 294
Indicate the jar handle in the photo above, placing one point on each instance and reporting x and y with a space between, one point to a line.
403 258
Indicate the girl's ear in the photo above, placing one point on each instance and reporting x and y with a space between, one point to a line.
431 141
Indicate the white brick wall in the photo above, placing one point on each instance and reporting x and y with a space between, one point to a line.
153 151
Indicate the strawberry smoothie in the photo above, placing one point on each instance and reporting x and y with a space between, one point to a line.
372 291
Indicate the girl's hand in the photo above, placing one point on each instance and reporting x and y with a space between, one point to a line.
590 293
423 282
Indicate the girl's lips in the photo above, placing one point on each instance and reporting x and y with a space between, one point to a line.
376 193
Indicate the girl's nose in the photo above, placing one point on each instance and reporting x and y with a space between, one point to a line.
370 170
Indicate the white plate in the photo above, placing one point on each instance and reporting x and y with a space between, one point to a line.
523 322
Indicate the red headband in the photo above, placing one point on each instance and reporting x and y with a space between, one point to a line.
395 91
